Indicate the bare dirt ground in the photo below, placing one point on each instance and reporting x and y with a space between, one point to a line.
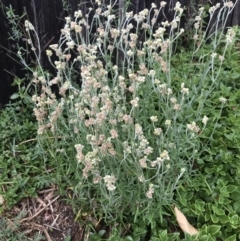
49 216
46 215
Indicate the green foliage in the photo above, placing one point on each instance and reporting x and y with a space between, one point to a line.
15 22
210 199
22 171
129 136
212 196
119 168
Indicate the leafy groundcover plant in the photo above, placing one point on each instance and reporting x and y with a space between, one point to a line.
212 196
20 164
125 128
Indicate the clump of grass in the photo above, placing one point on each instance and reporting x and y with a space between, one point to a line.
125 138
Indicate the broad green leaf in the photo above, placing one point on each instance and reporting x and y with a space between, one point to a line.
232 238
163 235
129 238
214 218
235 195
234 219
173 236
218 210
214 229
224 219
236 206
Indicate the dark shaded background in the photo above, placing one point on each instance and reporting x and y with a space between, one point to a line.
47 16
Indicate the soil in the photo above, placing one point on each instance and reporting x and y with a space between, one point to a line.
48 216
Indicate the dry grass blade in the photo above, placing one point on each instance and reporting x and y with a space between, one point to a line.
1 200
183 223
30 218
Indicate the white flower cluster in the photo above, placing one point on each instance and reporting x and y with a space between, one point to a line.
193 127
230 35
150 191
110 181
28 25
163 156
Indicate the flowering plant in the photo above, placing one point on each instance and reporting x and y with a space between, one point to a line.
128 135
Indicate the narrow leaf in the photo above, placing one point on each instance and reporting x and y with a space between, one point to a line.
14 96
183 223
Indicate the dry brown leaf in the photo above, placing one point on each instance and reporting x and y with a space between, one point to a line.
1 200
183 223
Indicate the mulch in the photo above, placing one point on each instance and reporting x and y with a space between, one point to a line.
46 215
